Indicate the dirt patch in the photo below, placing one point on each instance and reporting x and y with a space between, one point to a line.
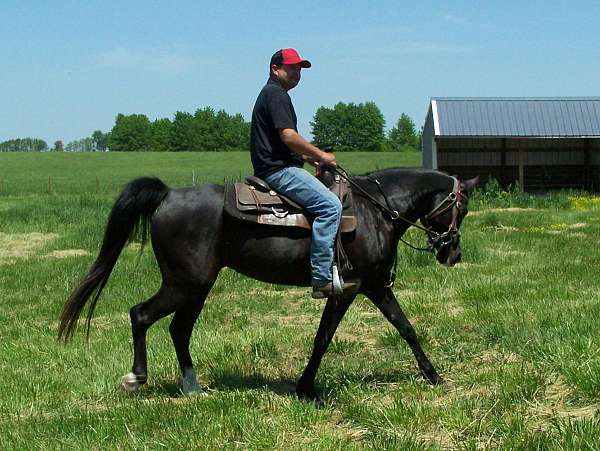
465 265
438 437
454 310
577 225
506 253
405 293
23 245
501 228
362 338
65 253
553 403
291 320
493 356
502 210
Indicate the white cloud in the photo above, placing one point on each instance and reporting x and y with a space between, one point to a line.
161 61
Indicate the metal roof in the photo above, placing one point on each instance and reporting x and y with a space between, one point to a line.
516 116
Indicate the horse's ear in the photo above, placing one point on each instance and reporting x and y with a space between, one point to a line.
468 185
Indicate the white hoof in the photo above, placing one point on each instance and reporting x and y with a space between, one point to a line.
129 383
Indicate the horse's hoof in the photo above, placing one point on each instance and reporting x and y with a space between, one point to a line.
437 380
130 383
310 395
190 385
198 393
192 388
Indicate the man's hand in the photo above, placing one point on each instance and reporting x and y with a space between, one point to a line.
310 160
327 159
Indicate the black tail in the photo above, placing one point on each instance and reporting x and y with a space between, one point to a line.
131 214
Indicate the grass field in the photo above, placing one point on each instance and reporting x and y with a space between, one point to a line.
77 173
513 328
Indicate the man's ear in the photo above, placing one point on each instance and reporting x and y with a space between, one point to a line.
470 184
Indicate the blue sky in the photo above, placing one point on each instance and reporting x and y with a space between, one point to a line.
68 67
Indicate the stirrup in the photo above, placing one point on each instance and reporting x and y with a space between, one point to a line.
337 280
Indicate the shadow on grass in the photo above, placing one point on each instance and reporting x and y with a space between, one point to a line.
167 388
285 386
224 382
280 386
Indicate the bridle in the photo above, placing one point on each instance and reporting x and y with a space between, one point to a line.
436 241
453 201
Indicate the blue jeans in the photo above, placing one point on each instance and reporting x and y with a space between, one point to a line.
306 190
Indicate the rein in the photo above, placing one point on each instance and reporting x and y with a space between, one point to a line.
435 240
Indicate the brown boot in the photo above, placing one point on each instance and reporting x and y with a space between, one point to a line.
326 290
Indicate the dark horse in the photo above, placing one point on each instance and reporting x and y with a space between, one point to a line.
193 239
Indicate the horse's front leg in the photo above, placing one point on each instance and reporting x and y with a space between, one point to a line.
334 311
388 305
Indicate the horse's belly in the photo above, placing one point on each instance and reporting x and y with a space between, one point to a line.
269 254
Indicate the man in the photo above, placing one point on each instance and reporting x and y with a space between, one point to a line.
278 153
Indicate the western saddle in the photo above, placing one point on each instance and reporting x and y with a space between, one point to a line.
255 201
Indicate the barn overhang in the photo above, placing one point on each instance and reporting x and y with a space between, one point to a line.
535 141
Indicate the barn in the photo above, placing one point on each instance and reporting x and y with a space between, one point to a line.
541 143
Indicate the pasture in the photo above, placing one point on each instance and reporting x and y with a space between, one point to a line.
513 329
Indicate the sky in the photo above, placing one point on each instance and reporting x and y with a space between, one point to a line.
69 67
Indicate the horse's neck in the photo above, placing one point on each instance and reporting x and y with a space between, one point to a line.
414 202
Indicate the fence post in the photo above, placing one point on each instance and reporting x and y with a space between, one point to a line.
522 169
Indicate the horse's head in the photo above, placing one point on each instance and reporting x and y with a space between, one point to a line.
443 221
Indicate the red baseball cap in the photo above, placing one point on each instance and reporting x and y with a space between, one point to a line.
289 56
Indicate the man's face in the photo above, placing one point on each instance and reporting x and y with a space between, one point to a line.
287 74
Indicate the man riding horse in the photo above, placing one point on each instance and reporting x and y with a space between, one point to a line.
278 153
193 238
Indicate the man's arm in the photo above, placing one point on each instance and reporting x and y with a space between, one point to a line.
301 146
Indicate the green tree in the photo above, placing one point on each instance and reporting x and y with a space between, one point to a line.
100 140
24 145
404 135
204 131
212 131
58 146
131 133
162 135
236 135
349 127
182 132
81 145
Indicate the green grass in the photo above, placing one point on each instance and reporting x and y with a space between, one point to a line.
513 329
71 173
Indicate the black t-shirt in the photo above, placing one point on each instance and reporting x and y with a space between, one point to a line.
272 112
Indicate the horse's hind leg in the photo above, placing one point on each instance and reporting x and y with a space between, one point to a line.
333 313
163 303
388 305
181 330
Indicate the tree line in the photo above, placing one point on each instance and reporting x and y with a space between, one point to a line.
352 127
346 126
